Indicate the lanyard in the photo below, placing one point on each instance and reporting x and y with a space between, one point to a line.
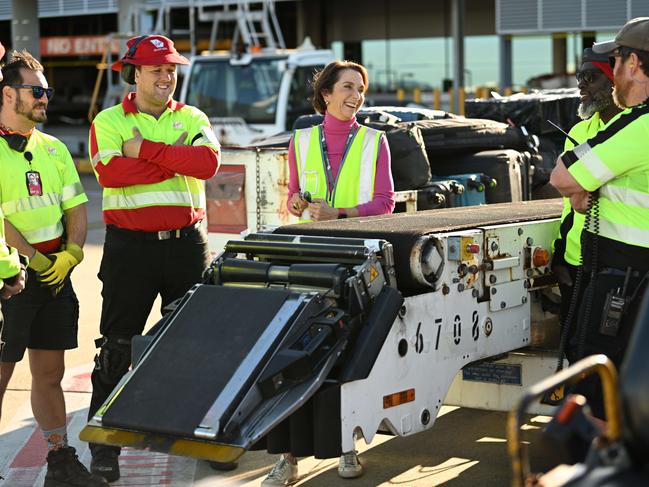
331 182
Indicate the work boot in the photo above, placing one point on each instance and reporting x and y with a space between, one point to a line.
105 463
283 473
349 467
65 470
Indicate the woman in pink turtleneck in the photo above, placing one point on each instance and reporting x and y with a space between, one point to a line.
339 92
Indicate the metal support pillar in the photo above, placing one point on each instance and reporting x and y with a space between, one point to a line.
506 72
457 28
559 54
128 18
587 40
25 31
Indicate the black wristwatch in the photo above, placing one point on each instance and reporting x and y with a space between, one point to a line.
342 213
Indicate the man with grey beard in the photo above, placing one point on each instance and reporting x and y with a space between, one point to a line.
595 83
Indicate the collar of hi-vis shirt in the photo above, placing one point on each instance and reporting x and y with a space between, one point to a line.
129 106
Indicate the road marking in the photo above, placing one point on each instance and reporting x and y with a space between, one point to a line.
23 450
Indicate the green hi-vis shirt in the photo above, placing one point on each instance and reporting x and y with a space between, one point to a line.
616 161
126 206
572 222
38 216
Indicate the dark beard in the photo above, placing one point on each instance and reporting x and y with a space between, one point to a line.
23 108
600 101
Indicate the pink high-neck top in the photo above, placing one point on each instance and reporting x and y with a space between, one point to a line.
336 132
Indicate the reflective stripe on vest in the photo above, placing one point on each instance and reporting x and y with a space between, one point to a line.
31 203
354 183
153 198
43 234
623 214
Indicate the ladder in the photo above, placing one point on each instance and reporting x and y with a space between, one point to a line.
256 24
255 27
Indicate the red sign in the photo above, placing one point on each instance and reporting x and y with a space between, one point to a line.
76 46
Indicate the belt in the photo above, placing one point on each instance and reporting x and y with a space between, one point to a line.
159 235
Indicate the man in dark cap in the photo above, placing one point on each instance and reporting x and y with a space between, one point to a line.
606 177
595 83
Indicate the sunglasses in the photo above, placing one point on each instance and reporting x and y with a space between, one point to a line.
587 76
38 91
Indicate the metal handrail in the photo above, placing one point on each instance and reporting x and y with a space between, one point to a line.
599 364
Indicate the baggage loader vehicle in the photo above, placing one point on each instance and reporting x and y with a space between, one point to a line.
375 316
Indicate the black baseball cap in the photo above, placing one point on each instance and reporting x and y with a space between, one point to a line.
590 56
634 34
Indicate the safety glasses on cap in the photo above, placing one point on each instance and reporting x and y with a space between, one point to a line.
38 91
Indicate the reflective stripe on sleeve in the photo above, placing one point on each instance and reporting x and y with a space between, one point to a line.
593 163
70 191
104 154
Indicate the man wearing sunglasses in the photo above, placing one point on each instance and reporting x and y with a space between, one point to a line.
607 178
152 156
44 206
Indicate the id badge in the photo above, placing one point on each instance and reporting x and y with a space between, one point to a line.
34 186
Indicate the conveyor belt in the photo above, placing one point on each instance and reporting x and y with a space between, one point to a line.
402 230
217 331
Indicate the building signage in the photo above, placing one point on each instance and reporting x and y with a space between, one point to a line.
76 46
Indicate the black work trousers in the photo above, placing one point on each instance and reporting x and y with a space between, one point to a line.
134 270
587 335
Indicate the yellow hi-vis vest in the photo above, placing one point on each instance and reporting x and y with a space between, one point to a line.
354 183
580 132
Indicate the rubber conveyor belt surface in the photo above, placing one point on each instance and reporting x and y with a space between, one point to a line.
403 230
195 357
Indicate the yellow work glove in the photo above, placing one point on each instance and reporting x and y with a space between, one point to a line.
64 261
39 262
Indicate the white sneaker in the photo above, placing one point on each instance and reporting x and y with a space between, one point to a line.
283 473
349 467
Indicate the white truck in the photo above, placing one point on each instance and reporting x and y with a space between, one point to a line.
253 95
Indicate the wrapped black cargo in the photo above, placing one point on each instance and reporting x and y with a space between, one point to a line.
462 135
531 110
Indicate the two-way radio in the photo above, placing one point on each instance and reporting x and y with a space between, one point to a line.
564 133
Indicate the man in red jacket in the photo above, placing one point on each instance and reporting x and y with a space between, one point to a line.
152 156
